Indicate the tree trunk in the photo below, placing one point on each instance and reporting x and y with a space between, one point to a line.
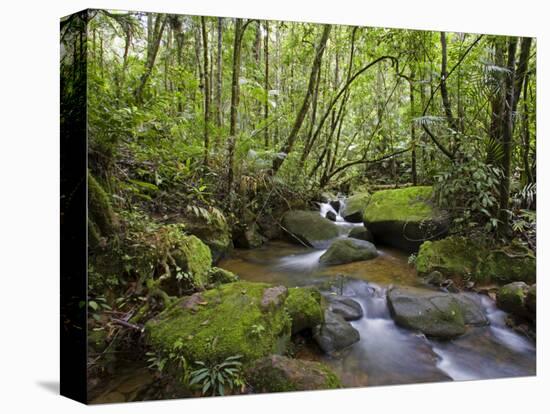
206 90
160 22
266 86
413 131
444 92
219 83
288 145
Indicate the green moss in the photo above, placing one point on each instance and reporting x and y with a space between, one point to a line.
511 298
347 251
355 205
215 233
100 212
304 307
219 275
408 204
471 259
450 256
193 256
221 322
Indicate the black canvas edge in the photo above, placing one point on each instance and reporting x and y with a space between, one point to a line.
73 220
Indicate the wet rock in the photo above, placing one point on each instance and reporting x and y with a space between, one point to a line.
512 297
347 251
335 204
304 307
449 286
437 314
335 333
348 308
331 216
435 278
403 218
277 373
354 207
308 227
361 233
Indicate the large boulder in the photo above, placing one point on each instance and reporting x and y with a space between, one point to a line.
512 298
404 218
304 307
213 231
475 260
309 228
348 308
335 333
347 251
354 207
361 233
241 318
436 314
277 373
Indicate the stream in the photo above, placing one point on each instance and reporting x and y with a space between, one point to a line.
387 354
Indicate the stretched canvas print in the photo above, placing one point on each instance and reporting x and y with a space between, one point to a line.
253 206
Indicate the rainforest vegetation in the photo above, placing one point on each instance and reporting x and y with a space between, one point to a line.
211 139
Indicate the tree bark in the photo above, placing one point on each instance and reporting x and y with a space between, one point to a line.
266 86
219 83
206 90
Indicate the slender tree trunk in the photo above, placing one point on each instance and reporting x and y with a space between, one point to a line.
156 37
413 131
289 144
219 83
206 90
266 86
443 88
526 134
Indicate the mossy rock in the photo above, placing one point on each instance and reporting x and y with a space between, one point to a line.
193 258
475 260
304 307
512 298
309 228
436 314
241 318
354 207
248 237
215 233
277 373
404 218
218 275
348 250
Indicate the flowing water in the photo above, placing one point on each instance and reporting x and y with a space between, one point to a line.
386 353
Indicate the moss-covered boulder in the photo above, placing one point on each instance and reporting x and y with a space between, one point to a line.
475 260
361 233
405 217
531 300
347 251
304 307
218 275
213 231
436 314
277 373
242 318
354 207
309 228
512 298
248 237
335 333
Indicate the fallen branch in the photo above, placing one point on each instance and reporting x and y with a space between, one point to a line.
127 324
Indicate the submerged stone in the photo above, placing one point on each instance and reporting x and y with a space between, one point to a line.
277 373
347 251
308 227
404 218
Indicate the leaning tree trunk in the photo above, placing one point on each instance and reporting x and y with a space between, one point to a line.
291 139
